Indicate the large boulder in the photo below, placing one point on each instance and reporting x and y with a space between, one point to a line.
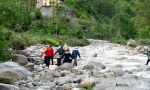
8 87
11 74
87 82
20 59
7 80
96 64
14 67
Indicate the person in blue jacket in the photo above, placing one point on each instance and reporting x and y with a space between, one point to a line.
75 53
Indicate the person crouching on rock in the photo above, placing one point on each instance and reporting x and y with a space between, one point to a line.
67 57
48 55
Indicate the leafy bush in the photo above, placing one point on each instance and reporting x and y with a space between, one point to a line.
118 41
145 41
52 42
4 44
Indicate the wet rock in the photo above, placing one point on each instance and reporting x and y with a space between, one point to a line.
11 74
119 72
74 70
76 89
36 84
7 80
122 84
75 85
25 88
44 88
47 77
59 88
12 66
95 55
87 82
88 67
8 87
20 59
53 67
29 85
120 57
96 64
118 66
66 66
77 80
99 87
67 87
56 74
29 66
61 82
64 73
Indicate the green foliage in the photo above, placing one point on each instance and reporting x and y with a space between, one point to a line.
38 14
118 41
52 42
145 41
4 44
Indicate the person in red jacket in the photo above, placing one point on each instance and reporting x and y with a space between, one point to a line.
48 55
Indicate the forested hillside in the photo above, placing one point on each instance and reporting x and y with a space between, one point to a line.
22 24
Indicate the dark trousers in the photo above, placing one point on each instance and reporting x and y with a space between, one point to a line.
58 61
75 62
67 61
47 60
147 61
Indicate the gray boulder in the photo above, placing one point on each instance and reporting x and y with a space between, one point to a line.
8 87
20 59
96 64
7 80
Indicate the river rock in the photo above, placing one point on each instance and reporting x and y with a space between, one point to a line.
59 88
64 73
7 80
53 67
8 87
11 74
87 82
66 66
76 89
56 74
88 67
77 80
47 77
119 72
67 87
96 64
20 59
29 66
30 85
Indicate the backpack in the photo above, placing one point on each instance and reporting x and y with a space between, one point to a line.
49 52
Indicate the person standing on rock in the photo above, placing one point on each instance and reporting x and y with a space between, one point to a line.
48 55
67 57
60 52
75 53
148 55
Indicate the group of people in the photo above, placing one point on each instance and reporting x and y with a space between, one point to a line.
63 55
